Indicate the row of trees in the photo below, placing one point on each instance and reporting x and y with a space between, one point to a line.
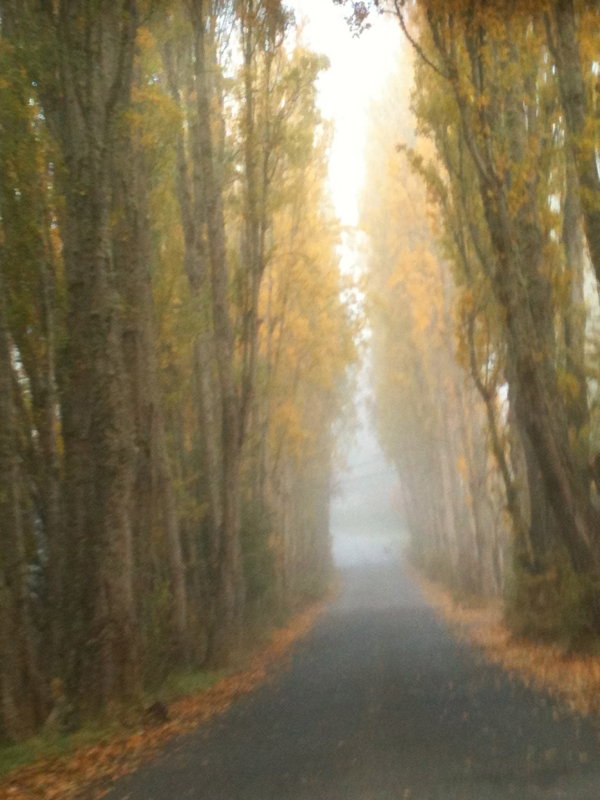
173 343
486 318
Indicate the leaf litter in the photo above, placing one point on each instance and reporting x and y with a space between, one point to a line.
88 773
573 679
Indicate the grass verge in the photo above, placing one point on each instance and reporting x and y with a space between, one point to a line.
50 746
85 764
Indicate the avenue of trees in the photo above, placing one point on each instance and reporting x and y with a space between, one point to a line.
484 266
173 342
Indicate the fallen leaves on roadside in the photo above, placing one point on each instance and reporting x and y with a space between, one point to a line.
88 773
571 678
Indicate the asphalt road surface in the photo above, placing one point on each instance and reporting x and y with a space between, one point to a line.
380 703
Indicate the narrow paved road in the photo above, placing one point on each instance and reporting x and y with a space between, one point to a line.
380 704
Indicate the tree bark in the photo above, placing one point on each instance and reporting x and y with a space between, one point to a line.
94 50
229 589
575 314
524 294
154 513
563 39
21 697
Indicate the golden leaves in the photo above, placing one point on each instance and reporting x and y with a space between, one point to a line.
145 39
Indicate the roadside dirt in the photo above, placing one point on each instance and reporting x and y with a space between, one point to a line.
574 679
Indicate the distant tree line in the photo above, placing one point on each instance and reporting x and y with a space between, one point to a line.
485 266
173 342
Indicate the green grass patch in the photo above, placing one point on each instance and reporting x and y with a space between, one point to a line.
17 755
53 745
185 682
99 731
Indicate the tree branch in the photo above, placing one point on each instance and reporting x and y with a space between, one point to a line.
415 45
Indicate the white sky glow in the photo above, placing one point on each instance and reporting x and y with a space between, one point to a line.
359 68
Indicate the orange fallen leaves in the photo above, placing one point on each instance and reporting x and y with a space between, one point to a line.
572 679
87 774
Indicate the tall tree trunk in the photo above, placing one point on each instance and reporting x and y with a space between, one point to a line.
94 49
524 293
541 412
21 703
154 513
563 39
229 590
191 199
574 321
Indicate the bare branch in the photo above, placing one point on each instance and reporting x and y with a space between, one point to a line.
416 46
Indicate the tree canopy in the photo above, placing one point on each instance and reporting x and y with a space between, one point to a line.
486 320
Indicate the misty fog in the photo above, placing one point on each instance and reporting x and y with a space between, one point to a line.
366 521
229 231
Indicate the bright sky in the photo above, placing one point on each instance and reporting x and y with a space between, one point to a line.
359 67
358 72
